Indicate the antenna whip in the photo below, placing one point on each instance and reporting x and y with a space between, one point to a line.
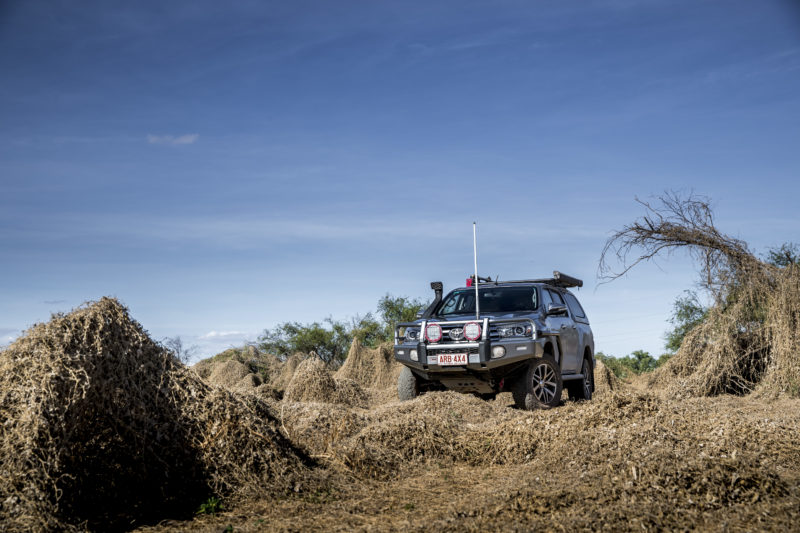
477 279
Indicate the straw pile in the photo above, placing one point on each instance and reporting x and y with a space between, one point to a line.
314 382
604 378
229 373
286 371
371 368
102 427
750 343
266 367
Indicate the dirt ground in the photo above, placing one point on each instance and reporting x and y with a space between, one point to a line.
627 460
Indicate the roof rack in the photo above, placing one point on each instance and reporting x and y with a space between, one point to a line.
558 280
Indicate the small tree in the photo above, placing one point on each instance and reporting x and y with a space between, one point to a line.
330 343
394 309
183 353
332 340
687 313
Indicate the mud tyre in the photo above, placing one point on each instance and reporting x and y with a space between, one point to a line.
540 387
407 385
581 390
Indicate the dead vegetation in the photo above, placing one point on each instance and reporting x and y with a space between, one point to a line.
624 461
749 340
101 427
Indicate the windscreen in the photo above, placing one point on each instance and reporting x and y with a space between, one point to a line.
493 300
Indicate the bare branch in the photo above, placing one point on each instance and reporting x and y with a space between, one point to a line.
673 222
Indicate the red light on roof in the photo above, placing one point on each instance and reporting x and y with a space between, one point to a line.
469 282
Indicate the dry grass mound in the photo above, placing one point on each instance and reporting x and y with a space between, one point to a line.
283 377
749 343
372 368
314 382
604 378
247 384
101 427
229 373
749 339
266 367
642 447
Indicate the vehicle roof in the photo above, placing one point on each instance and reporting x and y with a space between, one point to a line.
522 283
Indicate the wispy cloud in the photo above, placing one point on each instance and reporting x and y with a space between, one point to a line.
172 140
223 335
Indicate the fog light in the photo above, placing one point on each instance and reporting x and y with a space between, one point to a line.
498 351
415 357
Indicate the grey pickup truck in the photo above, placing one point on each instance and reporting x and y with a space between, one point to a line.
529 337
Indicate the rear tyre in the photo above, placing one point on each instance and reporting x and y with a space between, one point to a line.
540 387
407 385
582 389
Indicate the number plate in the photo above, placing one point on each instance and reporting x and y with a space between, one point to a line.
452 359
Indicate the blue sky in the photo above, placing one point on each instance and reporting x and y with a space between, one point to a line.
223 167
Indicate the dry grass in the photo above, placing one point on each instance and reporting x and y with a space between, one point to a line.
604 379
749 340
100 427
748 344
626 461
374 369
313 381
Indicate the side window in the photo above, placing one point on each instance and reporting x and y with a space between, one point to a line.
575 306
557 299
546 300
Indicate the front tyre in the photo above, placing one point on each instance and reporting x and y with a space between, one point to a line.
407 385
582 389
540 387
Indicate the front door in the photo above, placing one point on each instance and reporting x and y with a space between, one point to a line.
568 336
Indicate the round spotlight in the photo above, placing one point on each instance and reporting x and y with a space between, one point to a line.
472 331
433 332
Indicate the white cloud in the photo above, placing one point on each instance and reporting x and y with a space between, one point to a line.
223 335
171 140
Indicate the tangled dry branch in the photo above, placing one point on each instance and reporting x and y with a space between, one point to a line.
672 223
750 336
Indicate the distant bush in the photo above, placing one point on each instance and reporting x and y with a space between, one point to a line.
331 340
636 363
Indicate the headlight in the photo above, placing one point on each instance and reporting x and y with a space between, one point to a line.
412 335
515 330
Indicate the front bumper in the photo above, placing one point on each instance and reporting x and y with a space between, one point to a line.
479 359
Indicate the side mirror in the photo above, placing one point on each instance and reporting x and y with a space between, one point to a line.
420 313
556 309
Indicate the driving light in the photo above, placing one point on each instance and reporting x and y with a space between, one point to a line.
433 332
472 331
515 330
498 351
414 355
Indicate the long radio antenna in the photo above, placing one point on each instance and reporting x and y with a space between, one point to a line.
477 279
